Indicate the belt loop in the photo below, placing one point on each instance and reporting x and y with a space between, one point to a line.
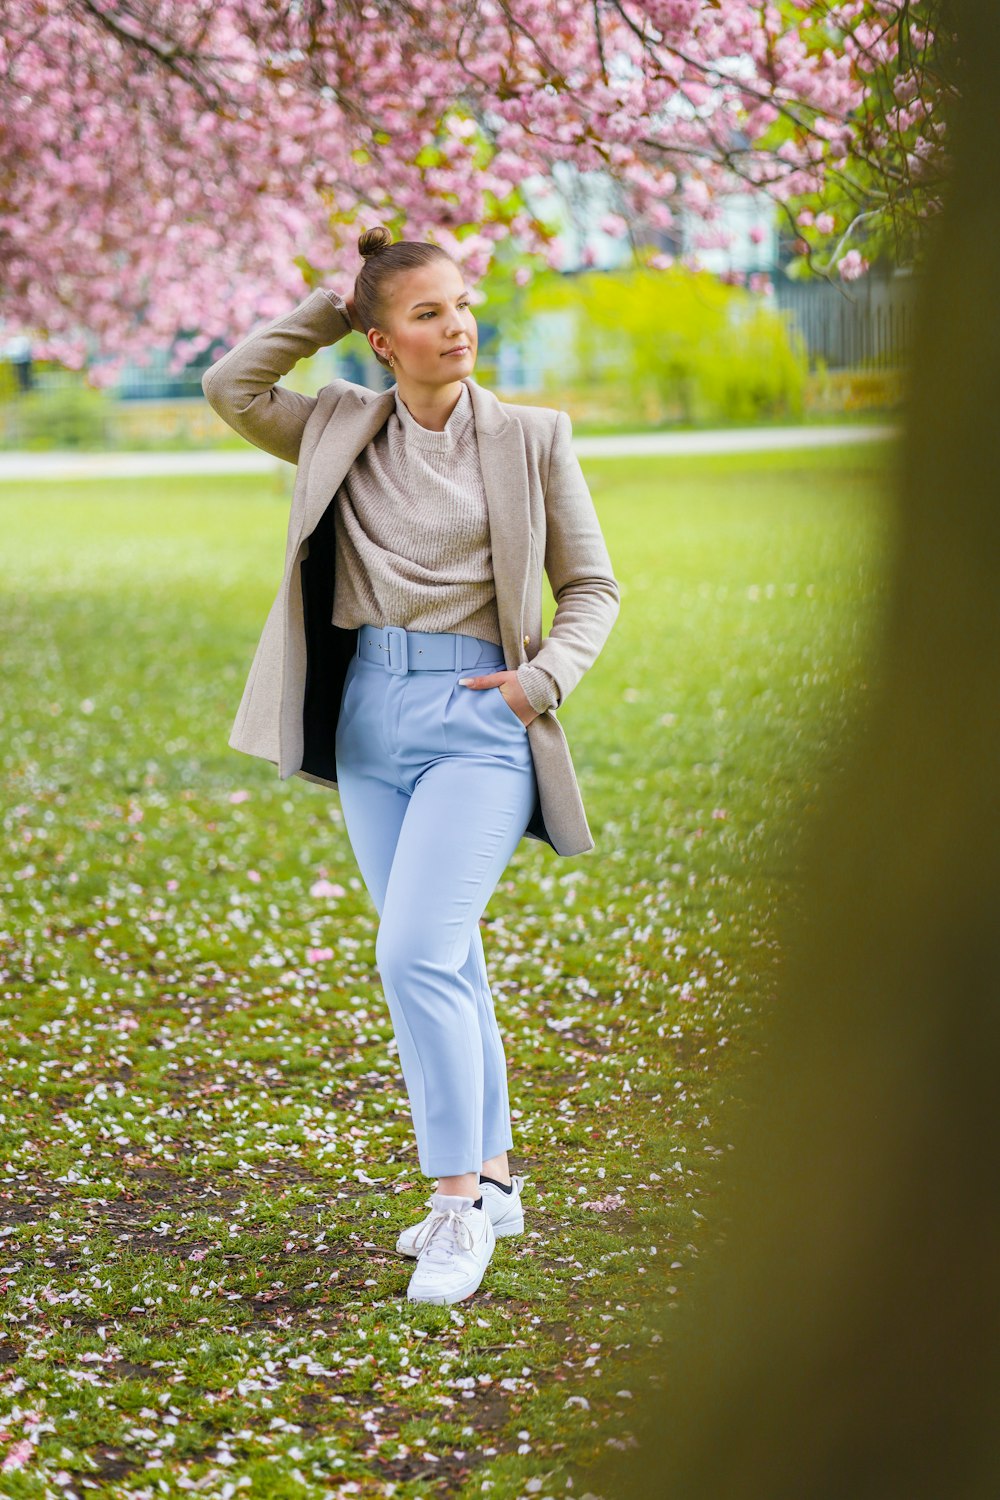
459 653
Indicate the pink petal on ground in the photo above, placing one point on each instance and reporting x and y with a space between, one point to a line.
18 1456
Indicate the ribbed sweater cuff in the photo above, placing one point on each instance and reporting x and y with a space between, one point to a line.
539 688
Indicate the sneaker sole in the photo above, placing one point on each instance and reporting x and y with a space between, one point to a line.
443 1299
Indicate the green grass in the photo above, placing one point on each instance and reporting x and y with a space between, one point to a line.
207 1150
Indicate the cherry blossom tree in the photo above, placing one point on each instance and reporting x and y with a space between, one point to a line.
174 170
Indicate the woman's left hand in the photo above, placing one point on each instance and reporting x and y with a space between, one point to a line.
514 694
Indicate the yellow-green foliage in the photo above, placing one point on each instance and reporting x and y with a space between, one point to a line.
683 344
71 416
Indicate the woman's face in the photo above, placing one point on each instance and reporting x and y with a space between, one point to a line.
428 313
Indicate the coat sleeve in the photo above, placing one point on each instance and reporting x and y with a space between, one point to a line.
578 568
242 386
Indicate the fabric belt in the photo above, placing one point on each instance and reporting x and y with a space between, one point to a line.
401 651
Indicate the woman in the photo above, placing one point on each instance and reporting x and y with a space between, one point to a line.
420 522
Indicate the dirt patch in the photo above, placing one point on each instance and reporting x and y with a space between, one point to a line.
111 1464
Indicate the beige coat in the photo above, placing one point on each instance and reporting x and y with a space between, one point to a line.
540 513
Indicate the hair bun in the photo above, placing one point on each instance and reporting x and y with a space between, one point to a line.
373 241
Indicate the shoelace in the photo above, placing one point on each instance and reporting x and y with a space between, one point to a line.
444 1232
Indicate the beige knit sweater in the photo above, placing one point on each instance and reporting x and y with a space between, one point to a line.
412 536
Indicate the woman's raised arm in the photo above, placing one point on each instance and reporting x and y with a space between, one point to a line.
242 385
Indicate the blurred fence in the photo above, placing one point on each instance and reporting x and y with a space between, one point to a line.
863 324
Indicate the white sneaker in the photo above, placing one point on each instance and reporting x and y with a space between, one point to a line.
505 1210
453 1251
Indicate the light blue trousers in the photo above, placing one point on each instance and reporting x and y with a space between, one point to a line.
437 785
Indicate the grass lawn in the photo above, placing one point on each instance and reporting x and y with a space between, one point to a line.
207 1150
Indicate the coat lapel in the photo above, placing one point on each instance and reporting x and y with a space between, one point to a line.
502 456
504 464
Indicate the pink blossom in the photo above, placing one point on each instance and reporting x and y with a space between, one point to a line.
852 265
325 888
318 955
142 202
695 194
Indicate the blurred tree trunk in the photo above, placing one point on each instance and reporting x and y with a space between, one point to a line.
840 1341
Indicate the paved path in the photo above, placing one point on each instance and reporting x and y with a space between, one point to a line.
727 440
20 465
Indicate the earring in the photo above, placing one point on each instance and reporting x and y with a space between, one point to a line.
391 362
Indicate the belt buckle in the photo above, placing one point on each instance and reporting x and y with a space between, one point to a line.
396 632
